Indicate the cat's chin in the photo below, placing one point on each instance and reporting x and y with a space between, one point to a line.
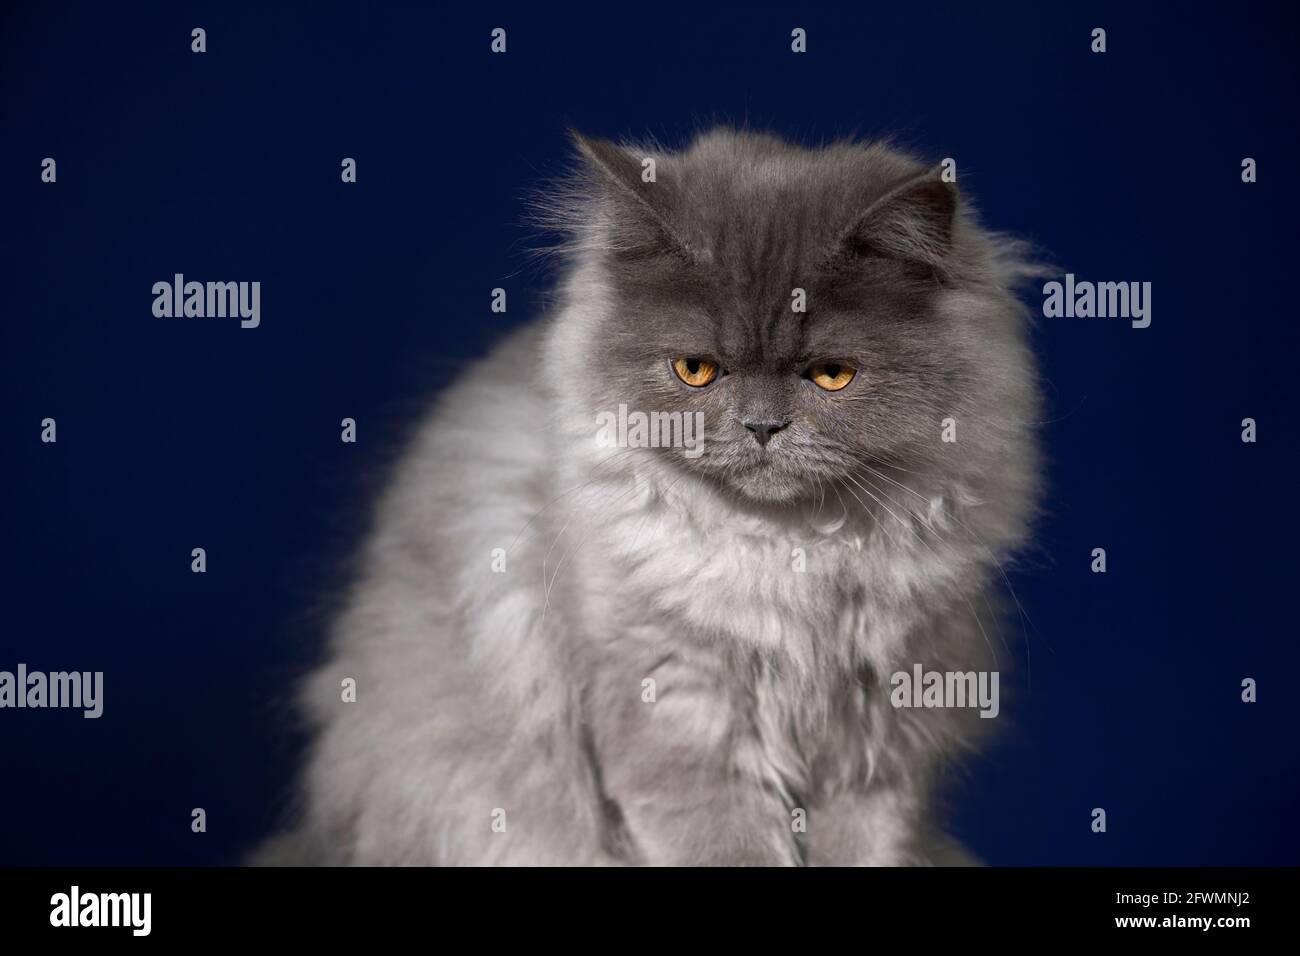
767 489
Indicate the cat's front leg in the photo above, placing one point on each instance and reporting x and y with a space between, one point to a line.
676 765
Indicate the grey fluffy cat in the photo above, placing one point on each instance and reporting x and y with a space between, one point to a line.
678 659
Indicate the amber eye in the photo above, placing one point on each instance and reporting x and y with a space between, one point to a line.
695 372
831 376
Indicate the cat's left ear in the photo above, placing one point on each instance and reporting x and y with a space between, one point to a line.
912 220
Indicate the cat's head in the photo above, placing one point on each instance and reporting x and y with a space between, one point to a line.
824 309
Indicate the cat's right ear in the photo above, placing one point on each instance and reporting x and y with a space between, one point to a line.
641 197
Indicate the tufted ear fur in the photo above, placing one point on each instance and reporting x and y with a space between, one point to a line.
640 213
913 221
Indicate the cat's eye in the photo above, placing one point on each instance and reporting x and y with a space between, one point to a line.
831 376
695 372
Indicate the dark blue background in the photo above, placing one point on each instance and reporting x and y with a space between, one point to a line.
179 433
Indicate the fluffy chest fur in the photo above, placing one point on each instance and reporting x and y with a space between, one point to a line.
826 587
783 625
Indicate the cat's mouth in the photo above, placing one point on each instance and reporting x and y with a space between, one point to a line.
768 478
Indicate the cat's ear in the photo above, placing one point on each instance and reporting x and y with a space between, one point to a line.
640 194
912 220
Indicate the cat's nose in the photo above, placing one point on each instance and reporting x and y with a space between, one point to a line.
763 431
